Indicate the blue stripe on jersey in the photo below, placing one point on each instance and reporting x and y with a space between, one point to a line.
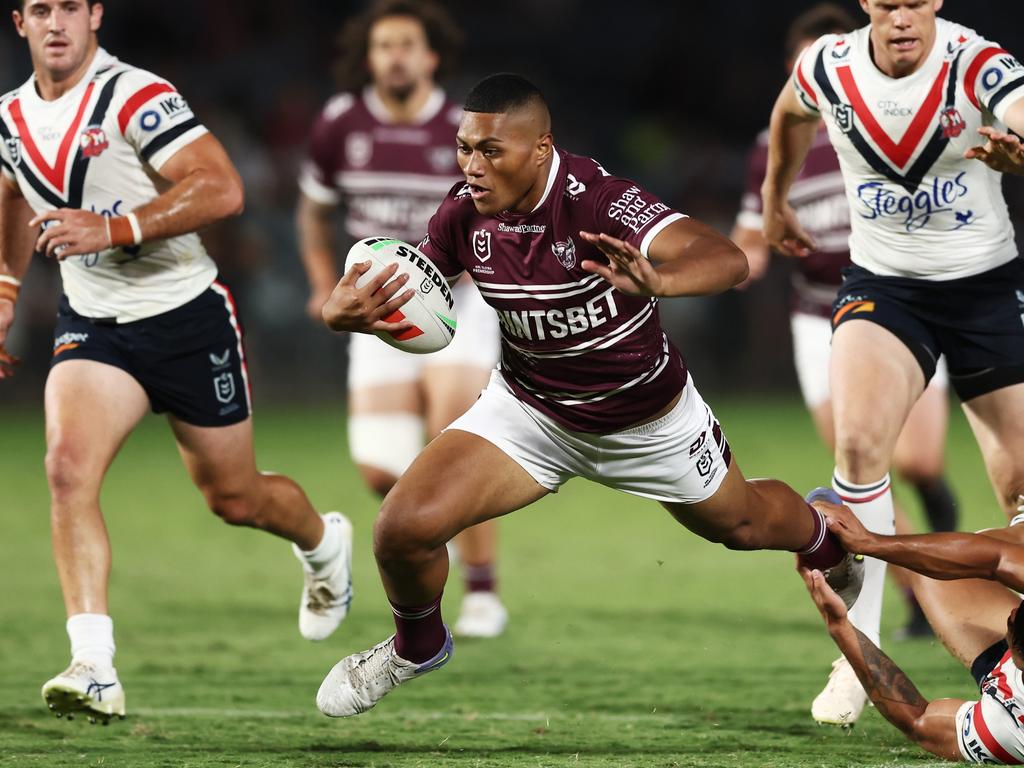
76 186
1003 92
167 137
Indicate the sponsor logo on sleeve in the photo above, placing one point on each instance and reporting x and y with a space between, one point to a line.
633 211
481 244
150 120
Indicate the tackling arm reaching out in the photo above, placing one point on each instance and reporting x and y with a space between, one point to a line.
937 555
204 188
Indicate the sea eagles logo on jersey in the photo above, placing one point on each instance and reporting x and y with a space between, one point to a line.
565 252
481 244
843 115
441 159
952 123
358 148
93 141
14 150
224 387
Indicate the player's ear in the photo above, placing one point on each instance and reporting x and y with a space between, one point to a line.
19 23
865 7
545 145
95 17
937 5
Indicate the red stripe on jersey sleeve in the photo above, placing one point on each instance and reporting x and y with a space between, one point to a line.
139 98
803 80
971 76
993 746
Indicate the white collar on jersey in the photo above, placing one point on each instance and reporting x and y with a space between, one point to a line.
552 175
380 113
99 60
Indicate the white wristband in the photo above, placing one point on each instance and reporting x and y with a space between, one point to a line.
136 229
10 280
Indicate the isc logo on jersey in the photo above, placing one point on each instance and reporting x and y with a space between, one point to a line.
431 310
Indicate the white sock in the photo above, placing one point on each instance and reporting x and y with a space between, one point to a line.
92 638
325 552
872 503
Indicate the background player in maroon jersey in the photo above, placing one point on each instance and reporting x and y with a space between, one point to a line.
110 373
819 198
383 150
589 384
968 584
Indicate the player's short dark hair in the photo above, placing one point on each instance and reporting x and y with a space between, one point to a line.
502 92
443 37
822 19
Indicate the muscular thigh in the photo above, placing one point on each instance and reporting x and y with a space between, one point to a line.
997 420
220 458
449 391
91 407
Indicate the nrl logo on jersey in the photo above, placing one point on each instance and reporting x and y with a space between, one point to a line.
843 115
565 252
93 141
481 244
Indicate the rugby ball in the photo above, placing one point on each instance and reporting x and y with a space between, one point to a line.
431 310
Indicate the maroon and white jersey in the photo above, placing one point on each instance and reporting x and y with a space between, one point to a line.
389 176
818 196
991 730
575 348
96 148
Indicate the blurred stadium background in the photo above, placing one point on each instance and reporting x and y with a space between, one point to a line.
670 94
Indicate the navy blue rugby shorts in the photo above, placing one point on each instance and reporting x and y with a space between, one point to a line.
977 322
189 360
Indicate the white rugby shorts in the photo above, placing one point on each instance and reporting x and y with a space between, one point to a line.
812 341
679 457
372 363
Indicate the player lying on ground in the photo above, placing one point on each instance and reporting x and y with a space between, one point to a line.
573 260
144 324
967 585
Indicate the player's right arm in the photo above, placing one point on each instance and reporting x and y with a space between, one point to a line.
929 724
16 240
314 221
791 132
936 555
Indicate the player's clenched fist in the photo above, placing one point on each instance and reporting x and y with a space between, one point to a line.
366 308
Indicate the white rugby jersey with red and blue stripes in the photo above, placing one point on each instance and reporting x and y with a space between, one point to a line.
991 730
918 208
95 148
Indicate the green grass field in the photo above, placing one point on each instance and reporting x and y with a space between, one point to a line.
632 641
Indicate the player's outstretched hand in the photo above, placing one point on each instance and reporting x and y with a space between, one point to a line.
830 605
71 232
783 232
627 268
1001 152
844 524
369 308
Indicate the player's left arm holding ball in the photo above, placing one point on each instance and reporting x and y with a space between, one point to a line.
686 258
929 724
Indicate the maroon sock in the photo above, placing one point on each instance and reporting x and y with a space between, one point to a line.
419 631
480 578
823 550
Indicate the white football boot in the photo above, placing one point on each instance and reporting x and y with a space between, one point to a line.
327 596
358 682
843 698
482 615
85 688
